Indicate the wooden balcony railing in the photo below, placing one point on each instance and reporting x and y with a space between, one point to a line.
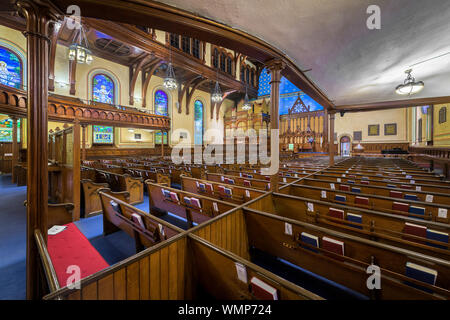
13 102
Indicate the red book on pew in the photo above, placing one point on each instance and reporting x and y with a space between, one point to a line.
364 182
406 186
344 187
399 206
247 183
209 187
334 246
174 196
263 291
138 220
267 178
415 230
395 194
362 200
336 213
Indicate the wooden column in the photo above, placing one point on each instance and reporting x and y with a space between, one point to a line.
83 142
162 143
37 25
15 149
275 67
331 141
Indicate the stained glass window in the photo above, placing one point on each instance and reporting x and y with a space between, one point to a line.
158 137
288 93
10 68
198 122
103 135
103 89
161 103
6 130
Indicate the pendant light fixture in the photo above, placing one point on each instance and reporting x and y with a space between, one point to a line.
217 93
246 106
80 53
170 82
410 85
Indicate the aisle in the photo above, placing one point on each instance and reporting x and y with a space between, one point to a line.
12 240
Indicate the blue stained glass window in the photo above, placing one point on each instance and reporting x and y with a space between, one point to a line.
288 93
158 137
161 103
103 135
103 89
10 68
198 122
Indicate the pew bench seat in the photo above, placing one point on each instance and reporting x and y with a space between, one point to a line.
71 248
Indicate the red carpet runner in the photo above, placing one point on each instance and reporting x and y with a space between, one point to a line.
71 247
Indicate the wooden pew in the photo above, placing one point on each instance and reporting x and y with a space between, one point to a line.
122 182
376 225
437 197
431 211
160 204
144 228
215 190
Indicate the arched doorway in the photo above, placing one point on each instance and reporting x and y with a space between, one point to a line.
345 146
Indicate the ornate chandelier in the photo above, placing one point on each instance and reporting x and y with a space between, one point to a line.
409 86
170 82
246 106
217 93
80 53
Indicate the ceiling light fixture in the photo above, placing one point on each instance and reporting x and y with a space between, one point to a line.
410 85
217 93
170 82
79 52
246 106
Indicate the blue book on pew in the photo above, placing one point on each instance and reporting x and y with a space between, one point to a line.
202 187
391 186
187 200
350 181
340 198
357 190
420 273
310 239
417 210
356 218
411 197
437 236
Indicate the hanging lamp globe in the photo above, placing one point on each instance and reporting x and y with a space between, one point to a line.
217 93
170 82
410 86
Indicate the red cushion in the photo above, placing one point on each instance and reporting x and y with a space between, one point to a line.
71 247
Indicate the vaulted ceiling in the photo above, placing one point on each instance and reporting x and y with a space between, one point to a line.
349 63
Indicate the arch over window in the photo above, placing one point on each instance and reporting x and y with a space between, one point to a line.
161 103
11 70
198 122
103 89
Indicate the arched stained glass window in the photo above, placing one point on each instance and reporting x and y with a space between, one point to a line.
103 89
161 103
10 68
198 122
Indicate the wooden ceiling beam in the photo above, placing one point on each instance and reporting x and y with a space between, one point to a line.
190 93
134 72
182 89
406 103
146 79
219 104
52 56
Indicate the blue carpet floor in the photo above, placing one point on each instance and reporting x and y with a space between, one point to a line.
13 222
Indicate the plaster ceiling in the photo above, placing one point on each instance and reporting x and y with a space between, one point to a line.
350 63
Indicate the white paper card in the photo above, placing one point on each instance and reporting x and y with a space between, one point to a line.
412 181
247 193
241 272
442 213
216 208
418 188
288 229
332 186
323 194
240 174
56 229
338 179
429 198
284 180
346 171
222 178
310 206
296 175
343 174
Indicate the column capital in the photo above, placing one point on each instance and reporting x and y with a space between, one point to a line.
38 14
275 65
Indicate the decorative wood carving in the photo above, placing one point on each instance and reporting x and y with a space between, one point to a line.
14 102
134 71
190 93
147 77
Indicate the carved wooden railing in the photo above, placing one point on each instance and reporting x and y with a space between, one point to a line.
65 109
435 152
